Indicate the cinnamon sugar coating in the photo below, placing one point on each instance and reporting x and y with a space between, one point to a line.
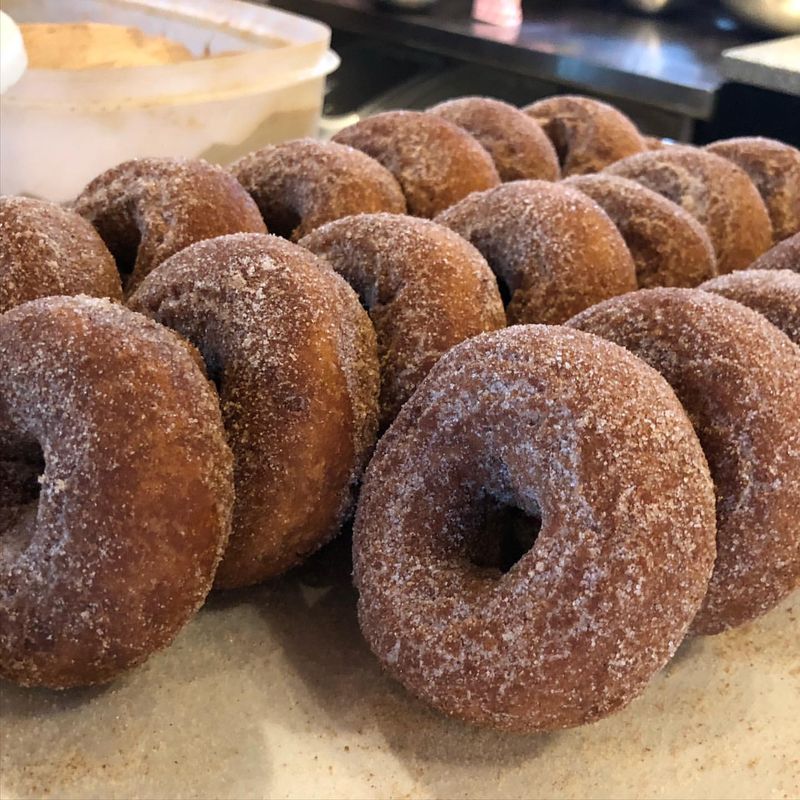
115 490
302 184
568 429
774 167
717 193
425 288
148 209
554 251
295 361
775 293
435 162
587 134
785 255
47 250
517 144
739 379
668 245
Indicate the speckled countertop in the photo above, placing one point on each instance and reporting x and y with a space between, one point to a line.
271 692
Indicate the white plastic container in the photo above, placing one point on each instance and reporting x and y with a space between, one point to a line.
60 128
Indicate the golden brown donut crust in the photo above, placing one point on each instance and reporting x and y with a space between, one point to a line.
556 424
774 168
425 288
785 255
47 250
302 184
554 251
668 245
739 379
719 195
435 162
587 134
775 293
295 360
135 493
517 144
148 209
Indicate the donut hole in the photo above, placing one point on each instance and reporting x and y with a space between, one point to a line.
21 467
121 232
506 534
559 136
282 220
505 290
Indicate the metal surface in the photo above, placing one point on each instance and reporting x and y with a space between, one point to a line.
782 16
670 64
653 6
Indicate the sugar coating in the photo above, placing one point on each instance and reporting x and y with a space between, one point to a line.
668 245
739 379
785 255
774 168
586 133
107 417
424 287
517 144
435 162
717 193
775 293
295 361
47 250
552 248
148 209
302 184
556 423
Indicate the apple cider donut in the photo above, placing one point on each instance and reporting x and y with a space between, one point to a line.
148 209
302 184
424 287
785 255
554 251
294 357
47 250
535 531
115 490
738 377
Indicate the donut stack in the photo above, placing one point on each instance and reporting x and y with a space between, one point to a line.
206 373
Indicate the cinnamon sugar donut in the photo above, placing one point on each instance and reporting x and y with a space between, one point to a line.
775 293
739 379
587 134
554 251
303 184
293 354
774 168
718 194
150 208
517 144
785 255
553 442
115 490
425 288
47 250
668 245
435 162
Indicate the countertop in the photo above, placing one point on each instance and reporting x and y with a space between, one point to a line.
272 693
673 63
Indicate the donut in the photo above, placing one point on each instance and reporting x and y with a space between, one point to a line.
587 134
518 146
425 288
47 250
774 168
535 531
118 490
668 245
294 358
784 255
655 142
554 251
718 194
148 209
303 184
738 377
435 162
775 293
